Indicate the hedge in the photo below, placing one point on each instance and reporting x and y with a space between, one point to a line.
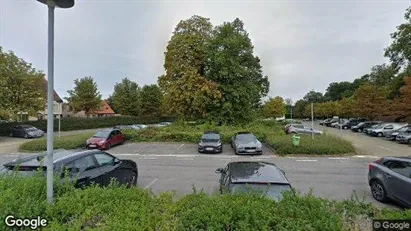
118 208
64 142
76 123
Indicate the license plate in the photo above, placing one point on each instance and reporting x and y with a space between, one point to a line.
250 150
209 149
92 146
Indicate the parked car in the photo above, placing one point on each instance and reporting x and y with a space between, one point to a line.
404 137
339 123
163 124
105 139
361 127
210 142
243 177
85 167
392 135
301 129
328 123
123 127
139 126
390 178
246 143
384 128
352 122
26 131
3 121
325 121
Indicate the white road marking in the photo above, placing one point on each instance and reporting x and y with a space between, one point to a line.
359 156
127 154
307 160
181 145
149 158
151 183
338 158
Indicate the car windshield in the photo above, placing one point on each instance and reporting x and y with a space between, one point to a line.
273 191
30 129
403 129
360 124
102 134
248 136
298 125
210 137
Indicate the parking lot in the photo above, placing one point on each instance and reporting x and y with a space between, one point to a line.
178 167
367 145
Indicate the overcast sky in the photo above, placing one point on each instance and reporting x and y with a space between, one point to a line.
303 45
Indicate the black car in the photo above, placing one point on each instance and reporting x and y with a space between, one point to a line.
240 177
26 131
361 127
352 122
210 142
85 167
329 122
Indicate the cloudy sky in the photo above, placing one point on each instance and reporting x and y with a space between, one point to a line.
303 45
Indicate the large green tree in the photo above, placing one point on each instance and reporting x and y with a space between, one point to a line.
237 71
382 75
85 96
151 100
399 51
184 86
314 97
125 97
299 109
21 86
338 90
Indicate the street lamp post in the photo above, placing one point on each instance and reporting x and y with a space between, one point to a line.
50 89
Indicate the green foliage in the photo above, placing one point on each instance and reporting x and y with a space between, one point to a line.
321 145
126 98
151 99
274 107
118 208
313 97
21 86
299 110
85 95
64 142
73 123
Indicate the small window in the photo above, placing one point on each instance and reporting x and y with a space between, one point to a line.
104 159
83 164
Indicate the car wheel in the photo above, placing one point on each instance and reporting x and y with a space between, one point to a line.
11 134
378 191
344 128
380 134
359 130
132 181
409 141
26 136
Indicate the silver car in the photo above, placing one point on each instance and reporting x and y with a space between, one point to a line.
385 128
390 178
393 134
246 143
301 129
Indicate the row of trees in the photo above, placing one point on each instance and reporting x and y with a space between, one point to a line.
127 99
383 92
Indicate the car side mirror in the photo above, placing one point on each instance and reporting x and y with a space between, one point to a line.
116 161
219 170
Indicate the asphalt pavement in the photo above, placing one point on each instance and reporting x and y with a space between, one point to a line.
179 167
368 145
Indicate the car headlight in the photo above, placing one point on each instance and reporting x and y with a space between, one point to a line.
240 146
102 142
88 141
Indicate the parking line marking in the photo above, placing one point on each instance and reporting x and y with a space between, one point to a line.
149 158
181 145
151 183
307 160
338 158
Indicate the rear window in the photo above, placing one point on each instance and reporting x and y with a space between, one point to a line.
298 125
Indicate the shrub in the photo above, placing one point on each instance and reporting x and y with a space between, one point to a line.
75 123
64 142
320 145
118 208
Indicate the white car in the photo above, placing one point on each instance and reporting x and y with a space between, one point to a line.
163 124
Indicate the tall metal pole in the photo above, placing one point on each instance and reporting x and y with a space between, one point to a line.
312 121
50 100
291 106
59 124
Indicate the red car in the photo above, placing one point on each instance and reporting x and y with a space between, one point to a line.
105 139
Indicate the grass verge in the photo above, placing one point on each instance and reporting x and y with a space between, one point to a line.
118 208
65 142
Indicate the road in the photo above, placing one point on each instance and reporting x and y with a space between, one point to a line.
11 144
367 145
178 166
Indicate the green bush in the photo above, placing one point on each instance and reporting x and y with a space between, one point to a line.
75 123
118 208
320 145
64 142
